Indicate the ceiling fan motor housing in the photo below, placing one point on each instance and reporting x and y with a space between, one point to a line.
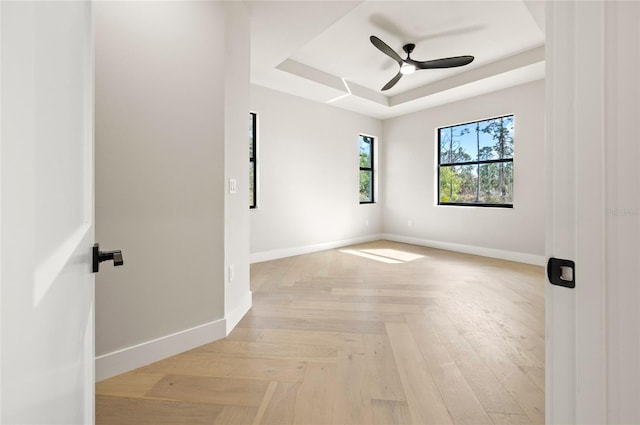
408 48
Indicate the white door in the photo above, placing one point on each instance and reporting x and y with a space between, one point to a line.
593 187
46 213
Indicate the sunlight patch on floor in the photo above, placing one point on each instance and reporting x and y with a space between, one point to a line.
395 254
389 256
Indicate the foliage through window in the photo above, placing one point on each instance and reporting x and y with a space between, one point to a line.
252 159
475 163
366 170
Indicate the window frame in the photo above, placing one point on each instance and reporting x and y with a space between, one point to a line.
477 162
253 159
370 169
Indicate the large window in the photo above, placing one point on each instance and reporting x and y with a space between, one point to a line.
366 170
253 140
475 163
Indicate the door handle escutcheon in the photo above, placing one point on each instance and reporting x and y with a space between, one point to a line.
100 256
561 272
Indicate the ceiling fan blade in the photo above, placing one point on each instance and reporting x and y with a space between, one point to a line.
392 82
382 46
443 63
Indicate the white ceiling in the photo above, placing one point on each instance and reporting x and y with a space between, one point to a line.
320 50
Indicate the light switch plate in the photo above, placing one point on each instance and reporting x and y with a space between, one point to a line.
232 186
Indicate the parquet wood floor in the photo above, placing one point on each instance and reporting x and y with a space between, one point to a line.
378 333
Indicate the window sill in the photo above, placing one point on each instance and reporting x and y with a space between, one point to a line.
453 204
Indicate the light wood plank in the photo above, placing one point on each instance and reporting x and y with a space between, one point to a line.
219 365
235 415
386 292
315 399
352 404
509 419
323 314
354 306
136 411
327 325
536 374
425 403
203 389
458 396
131 384
485 385
275 298
244 334
526 393
301 352
281 408
384 380
351 342
387 412
266 399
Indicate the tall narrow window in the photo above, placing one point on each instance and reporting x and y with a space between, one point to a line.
253 140
366 170
475 163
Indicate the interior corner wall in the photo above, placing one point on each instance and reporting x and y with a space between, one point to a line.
160 160
237 293
308 176
409 187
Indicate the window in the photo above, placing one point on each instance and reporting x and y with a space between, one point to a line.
475 163
366 170
253 140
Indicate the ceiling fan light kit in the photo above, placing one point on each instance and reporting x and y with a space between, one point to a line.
409 65
407 69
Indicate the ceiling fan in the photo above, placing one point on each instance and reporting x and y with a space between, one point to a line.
408 65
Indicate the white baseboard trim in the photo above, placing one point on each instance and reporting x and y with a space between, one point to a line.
234 317
258 257
130 358
520 257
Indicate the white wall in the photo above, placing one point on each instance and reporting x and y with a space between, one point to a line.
237 295
308 176
171 107
409 184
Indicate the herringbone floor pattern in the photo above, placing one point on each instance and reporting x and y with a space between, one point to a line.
378 333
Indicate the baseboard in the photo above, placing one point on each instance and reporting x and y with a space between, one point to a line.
520 257
130 358
276 254
238 313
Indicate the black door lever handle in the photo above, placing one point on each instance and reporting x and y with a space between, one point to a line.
100 256
117 257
